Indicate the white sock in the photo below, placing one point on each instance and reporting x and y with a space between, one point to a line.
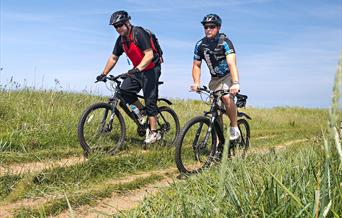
236 129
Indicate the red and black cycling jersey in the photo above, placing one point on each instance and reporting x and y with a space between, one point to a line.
135 50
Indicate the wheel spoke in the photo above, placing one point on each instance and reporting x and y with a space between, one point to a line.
95 129
168 125
239 148
196 145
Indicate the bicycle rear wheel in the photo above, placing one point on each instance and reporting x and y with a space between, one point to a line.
195 146
168 125
239 147
99 130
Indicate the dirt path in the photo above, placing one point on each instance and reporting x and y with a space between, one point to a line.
116 202
38 166
264 137
34 167
7 209
276 148
120 202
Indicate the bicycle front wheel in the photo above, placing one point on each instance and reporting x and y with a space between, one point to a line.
195 146
239 147
99 130
168 125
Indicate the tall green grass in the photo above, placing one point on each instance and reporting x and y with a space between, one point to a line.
33 120
303 181
37 125
55 207
272 185
40 124
83 175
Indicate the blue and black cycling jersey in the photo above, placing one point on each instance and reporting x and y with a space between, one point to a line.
214 52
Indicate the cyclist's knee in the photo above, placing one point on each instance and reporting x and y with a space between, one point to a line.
228 99
151 112
151 108
128 97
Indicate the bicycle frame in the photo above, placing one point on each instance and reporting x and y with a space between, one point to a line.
202 138
213 114
117 99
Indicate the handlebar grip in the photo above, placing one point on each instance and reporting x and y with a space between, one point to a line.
103 80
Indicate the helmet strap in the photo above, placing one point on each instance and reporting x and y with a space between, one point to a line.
129 27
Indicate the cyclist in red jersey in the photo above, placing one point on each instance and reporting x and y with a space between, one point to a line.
137 44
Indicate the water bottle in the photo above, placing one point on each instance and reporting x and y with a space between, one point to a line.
138 113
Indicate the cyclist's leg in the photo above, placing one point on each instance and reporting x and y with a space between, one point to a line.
224 83
228 101
150 89
231 110
130 87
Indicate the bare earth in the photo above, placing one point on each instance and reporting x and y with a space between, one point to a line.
8 208
117 202
38 166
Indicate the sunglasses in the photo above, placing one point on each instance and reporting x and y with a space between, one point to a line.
209 27
118 25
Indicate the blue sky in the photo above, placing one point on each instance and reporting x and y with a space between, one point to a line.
287 51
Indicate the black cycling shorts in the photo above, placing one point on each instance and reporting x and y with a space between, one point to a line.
148 82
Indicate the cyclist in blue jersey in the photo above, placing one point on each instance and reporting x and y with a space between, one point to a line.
219 54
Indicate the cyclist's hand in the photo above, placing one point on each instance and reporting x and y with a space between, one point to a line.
235 88
194 87
100 77
133 71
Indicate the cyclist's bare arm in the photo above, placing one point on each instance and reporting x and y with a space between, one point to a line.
231 61
148 56
196 74
112 60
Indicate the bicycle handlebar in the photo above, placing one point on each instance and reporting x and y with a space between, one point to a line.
113 78
205 89
221 92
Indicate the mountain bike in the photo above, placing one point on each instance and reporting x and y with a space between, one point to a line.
102 128
197 143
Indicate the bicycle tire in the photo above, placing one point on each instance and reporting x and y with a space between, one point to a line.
168 130
184 150
111 139
239 148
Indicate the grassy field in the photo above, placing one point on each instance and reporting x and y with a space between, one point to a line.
303 179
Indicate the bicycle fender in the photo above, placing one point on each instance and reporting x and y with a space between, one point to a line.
241 114
165 100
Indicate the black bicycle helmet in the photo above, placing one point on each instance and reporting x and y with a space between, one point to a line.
212 18
119 17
